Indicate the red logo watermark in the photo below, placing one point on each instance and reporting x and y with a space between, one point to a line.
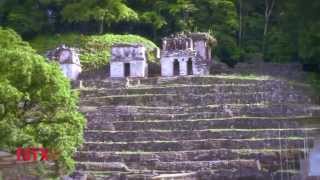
25 154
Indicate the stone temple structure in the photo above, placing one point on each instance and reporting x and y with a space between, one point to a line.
186 54
128 60
68 59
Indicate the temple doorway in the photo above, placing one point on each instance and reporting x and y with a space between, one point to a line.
189 67
176 68
126 69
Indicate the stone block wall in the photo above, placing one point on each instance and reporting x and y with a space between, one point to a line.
116 69
137 69
71 71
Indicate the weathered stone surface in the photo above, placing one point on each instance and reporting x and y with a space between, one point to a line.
215 127
136 136
203 99
68 59
186 54
128 60
204 144
110 166
136 113
266 157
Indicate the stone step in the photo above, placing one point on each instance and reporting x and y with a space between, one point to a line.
191 80
177 176
224 174
207 165
182 89
203 169
242 174
105 110
131 113
151 135
195 99
212 79
125 82
205 144
132 173
165 116
282 108
266 156
106 83
171 166
202 124
102 166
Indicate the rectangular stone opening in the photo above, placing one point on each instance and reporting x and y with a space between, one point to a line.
176 67
126 69
189 67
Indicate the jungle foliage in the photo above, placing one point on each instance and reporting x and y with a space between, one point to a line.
37 106
247 30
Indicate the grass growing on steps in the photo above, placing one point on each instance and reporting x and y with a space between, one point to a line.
241 151
94 49
245 77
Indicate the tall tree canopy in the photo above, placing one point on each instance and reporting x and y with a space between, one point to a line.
37 106
271 30
25 17
103 11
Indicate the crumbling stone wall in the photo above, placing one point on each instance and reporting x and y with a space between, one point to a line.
69 61
195 47
132 54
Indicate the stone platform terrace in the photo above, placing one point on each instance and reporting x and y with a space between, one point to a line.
213 127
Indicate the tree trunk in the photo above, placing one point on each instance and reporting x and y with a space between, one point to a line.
240 23
101 26
269 5
267 14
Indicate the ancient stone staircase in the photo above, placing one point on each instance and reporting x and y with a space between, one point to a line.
214 127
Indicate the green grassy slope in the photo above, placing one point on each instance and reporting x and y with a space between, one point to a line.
95 49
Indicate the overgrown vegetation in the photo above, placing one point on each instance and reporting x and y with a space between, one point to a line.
37 106
95 49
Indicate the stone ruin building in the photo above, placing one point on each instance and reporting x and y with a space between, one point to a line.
186 54
182 54
128 60
68 59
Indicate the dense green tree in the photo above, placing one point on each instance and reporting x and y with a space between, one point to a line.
245 29
37 106
102 11
219 17
182 10
165 16
307 27
25 17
